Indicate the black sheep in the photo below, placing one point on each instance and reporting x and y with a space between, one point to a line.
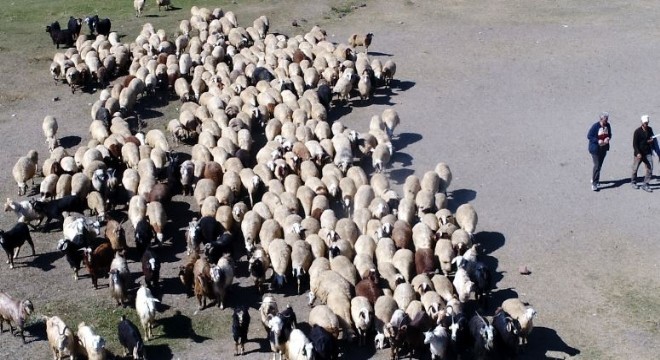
98 26
72 250
261 73
130 338
209 229
151 269
12 240
59 36
239 328
74 25
325 346
54 209
144 234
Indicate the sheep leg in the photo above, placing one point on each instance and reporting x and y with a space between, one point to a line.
235 348
16 251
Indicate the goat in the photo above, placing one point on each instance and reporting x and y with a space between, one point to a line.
14 311
12 240
150 269
130 338
239 328
98 261
59 36
24 210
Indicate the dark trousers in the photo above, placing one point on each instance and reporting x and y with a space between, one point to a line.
648 162
598 159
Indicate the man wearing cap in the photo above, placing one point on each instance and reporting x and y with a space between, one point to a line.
643 147
599 136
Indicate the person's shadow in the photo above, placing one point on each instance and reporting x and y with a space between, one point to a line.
612 184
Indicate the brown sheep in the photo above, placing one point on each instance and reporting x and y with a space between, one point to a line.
356 40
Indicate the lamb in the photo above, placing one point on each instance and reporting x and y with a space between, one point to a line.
522 313
356 40
130 338
15 312
325 318
24 170
239 328
92 345
12 240
24 210
362 315
98 262
60 338
145 305
222 276
49 127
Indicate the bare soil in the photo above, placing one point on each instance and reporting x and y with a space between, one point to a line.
504 92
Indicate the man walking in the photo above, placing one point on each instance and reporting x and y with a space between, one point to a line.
643 146
599 136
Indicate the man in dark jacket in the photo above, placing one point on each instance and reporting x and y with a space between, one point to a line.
599 136
643 147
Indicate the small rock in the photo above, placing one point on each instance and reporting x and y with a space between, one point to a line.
56 98
294 23
523 270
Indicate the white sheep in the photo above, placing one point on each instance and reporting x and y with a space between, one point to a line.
301 260
324 317
145 305
383 309
462 283
444 172
49 126
138 5
404 294
47 188
466 218
157 218
522 313
137 209
340 304
363 314
250 227
24 170
63 186
80 185
404 261
391 120
443 287
343 266
60 338
280 258
325 283
381 156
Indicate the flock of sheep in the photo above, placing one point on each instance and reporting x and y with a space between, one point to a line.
271 177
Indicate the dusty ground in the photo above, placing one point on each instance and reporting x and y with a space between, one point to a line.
503 91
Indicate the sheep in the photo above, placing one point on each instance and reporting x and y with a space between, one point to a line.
522 313
445 253
381 156
362 315
24 170
98 262
280 257
422 283
239 328
425 261
202 276
138 5
49 126
59 36
12 240
389 70
384 308
443 286
145 305
404 294
325 283
24 210
404 261
301 260
60 338
344 267
250 227
506 333
466 218
96 204
157 218
356 40
92 345
325 318
15 312
222 276
368 287
166 3
137 209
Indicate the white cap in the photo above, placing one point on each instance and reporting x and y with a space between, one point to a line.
645 119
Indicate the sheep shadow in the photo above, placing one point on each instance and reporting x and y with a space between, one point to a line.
35 331
489 241
401 141
45 261
338 109
69 141
543 340
402 85
172 285
498 296
377 53
162 351
402 158
459 197
398 176
179 326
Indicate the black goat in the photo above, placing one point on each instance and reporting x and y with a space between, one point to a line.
98 26
209 229
144 235
12 240
507 332
59 36
325 346
54 209
72 250
130 338
150 269
74 25
214 250
239 328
